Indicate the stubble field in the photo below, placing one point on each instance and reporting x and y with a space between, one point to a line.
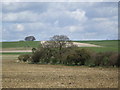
23 75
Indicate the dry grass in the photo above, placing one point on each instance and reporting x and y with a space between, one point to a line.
23 75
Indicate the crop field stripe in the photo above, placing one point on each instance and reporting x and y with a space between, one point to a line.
20 44
14 53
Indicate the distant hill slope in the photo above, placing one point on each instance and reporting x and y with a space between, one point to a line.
106 43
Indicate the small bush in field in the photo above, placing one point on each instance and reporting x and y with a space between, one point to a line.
98 59
24 57
53 60
33 50
84 55
30 60
105 59
71 59
118 62
60 50
78 57
114 60
37 56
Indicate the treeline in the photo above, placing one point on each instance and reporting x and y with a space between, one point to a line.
60 50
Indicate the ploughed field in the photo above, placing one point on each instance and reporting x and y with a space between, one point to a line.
23 75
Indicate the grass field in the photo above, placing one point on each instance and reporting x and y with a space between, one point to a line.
20 44
107 45
23 75
102 49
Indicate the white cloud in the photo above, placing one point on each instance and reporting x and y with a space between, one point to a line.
57 18
9 17
72 28
107 11
19 27
76 28
21 16
56 23
107 25
100 19
87 20
78 15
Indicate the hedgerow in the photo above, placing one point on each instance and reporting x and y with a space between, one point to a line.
60 51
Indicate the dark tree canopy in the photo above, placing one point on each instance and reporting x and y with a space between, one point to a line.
30 38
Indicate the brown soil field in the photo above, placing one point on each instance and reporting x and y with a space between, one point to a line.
23 75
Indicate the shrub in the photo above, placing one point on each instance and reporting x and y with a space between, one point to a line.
33 50
37 56
118 61
84 55
71 59
91 60
42 55
30 60
24 57
98 59
114 60
72 55
105 58
78 57
53 60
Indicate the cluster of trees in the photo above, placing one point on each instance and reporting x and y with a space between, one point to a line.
60 50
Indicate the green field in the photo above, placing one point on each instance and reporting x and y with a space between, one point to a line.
19 44
107 45
102 49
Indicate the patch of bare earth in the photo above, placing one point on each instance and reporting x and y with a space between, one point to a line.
23 75
85 44
11 51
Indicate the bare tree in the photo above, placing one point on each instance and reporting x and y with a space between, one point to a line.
59 43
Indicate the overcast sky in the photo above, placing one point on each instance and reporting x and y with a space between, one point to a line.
79 21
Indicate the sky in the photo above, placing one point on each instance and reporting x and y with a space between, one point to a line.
77 20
